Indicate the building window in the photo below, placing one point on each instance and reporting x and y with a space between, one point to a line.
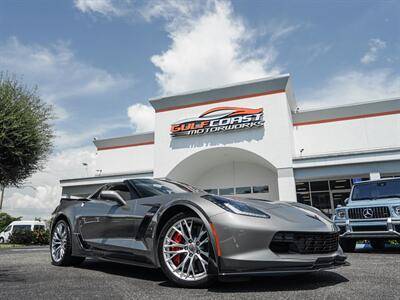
212 191
261 189
340 184
226 191
302 187
318 186
243 190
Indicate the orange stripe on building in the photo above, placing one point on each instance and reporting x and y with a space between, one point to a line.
125 146
394 112
219 100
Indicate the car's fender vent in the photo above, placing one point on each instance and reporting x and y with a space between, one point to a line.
305 242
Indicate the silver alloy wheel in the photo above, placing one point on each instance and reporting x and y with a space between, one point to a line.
59 242
192 249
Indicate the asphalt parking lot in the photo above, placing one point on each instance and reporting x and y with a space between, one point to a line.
28 274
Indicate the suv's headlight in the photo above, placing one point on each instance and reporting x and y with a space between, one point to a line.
341 213
397 210
236 207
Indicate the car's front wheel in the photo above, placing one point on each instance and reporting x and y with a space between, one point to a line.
184 249
61 246
348 245
1 240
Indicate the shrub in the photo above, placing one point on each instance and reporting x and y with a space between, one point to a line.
28 237
24 237
41 237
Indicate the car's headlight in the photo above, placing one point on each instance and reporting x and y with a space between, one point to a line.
341 213
236 207
397 210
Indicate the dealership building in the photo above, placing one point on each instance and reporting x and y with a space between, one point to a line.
251 139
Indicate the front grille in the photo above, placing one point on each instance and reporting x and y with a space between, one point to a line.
369 212
369 228
305 242
397 228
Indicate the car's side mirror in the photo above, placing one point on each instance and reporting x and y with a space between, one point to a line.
112 196
346 201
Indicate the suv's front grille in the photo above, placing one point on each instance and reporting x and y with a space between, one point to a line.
305 242
369 212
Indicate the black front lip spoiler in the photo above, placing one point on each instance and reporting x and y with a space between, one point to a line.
324 263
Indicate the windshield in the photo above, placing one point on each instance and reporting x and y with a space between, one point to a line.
376 190
155 187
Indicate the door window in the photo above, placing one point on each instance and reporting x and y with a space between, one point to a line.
21 228
122 190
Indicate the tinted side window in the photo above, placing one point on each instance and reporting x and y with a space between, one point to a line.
21 227
123 190
38 227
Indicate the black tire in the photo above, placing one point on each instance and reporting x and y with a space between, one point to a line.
348 245
67 259
377 244
201 283
1 240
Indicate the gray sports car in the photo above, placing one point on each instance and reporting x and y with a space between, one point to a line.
193 236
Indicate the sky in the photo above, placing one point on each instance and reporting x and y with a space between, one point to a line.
99 61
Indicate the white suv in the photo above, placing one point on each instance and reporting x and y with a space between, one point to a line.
20 225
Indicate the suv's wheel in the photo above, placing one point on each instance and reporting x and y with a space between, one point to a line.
377 244
348 245
61 246
1 240
183 249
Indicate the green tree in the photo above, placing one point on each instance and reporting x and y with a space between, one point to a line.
25 132
6 219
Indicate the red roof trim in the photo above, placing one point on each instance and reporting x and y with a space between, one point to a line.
394 112
126 146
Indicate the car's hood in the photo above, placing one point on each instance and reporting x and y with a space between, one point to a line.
291 212
377 202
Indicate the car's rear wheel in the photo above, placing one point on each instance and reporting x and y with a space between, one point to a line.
377 244
348 245
184 249
61 246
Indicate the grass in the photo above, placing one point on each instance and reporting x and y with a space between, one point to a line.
8 246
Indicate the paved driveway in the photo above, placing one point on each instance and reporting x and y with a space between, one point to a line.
28 274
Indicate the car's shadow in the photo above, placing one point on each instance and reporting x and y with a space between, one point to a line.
309 281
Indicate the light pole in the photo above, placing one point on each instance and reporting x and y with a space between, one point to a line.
86 168
2 196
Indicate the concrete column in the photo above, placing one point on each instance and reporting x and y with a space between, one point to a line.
374 175
286 185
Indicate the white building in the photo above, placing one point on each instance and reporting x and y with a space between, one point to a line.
253 140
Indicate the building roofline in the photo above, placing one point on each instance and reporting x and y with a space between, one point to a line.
103 178
137 139
365 102
347 112
246 89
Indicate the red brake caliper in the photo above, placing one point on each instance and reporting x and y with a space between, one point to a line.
178 238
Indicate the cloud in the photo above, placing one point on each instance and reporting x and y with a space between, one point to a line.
141 117
209 46
42 192
58 73
107 8
354 86
67 139
375 45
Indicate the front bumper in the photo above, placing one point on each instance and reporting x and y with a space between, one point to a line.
369 228
231 267
244 246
